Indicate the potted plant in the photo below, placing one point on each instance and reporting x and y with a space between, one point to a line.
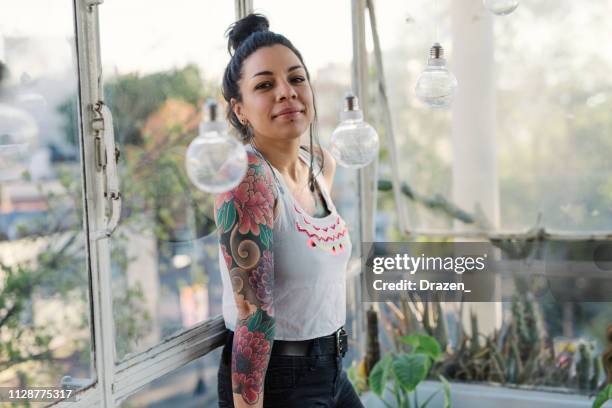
603 396
398 374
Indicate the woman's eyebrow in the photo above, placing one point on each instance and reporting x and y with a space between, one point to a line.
271 73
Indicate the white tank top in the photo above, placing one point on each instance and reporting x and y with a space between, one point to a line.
310 262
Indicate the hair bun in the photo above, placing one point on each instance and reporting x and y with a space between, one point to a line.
243 28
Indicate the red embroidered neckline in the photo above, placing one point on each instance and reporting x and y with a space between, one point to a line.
330 238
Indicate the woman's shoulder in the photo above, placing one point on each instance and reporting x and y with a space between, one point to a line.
258 182
257 179
329 163
259 172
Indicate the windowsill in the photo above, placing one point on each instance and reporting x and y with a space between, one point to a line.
487 396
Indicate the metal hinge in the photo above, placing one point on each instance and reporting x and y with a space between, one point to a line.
98 126
102 124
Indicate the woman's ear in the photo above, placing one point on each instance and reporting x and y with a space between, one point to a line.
236 108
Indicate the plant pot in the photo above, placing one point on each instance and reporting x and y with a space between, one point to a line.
486 396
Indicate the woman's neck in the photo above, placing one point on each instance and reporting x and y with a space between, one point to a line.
283 155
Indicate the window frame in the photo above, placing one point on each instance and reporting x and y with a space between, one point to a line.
114 382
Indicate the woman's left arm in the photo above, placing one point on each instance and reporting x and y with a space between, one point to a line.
245 217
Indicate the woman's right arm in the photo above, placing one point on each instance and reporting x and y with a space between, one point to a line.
245 217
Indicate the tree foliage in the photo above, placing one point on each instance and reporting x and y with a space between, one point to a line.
156 192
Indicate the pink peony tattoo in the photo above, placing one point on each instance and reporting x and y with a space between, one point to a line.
249 364
252 199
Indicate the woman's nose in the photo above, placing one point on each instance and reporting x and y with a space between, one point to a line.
286 91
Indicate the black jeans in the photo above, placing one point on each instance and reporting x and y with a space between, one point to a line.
295 381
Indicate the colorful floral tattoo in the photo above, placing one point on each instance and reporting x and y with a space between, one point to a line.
245 219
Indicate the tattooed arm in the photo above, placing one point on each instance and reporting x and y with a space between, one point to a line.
245 219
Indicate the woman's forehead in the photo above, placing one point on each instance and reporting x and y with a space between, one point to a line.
270 60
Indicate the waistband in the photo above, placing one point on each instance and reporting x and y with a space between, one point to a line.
335 344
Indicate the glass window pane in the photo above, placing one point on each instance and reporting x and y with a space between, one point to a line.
554 149
193 385
45 332
160 64
422 135
542 148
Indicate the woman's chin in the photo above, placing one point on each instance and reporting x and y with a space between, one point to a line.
292 135
292 130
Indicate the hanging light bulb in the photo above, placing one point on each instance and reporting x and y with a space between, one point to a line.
354 143
501 7
215 161
18 138
27 95
436 85
18 130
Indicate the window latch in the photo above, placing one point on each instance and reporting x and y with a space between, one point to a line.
104 142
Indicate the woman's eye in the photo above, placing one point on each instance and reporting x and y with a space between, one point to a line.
267 84
263 85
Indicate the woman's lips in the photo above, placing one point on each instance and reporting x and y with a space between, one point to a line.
291 114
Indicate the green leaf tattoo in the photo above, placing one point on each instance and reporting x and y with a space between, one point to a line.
266 235
226 216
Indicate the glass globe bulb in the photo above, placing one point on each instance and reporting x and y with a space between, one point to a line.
215 161
436 85
501 7
354 143
18 130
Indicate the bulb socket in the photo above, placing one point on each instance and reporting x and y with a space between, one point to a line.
351 102
436 51
211 109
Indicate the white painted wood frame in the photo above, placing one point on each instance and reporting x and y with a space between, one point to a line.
113 382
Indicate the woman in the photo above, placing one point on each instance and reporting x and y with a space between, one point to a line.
283 248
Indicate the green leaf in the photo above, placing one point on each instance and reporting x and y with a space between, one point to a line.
603 396
423 344
411 369
375 379
351 373
380 374
226 216
388 367
266 235
446 386
428 400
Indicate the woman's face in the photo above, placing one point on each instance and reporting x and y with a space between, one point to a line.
276 95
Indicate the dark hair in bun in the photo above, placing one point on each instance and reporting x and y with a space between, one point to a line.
246 36
242 29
